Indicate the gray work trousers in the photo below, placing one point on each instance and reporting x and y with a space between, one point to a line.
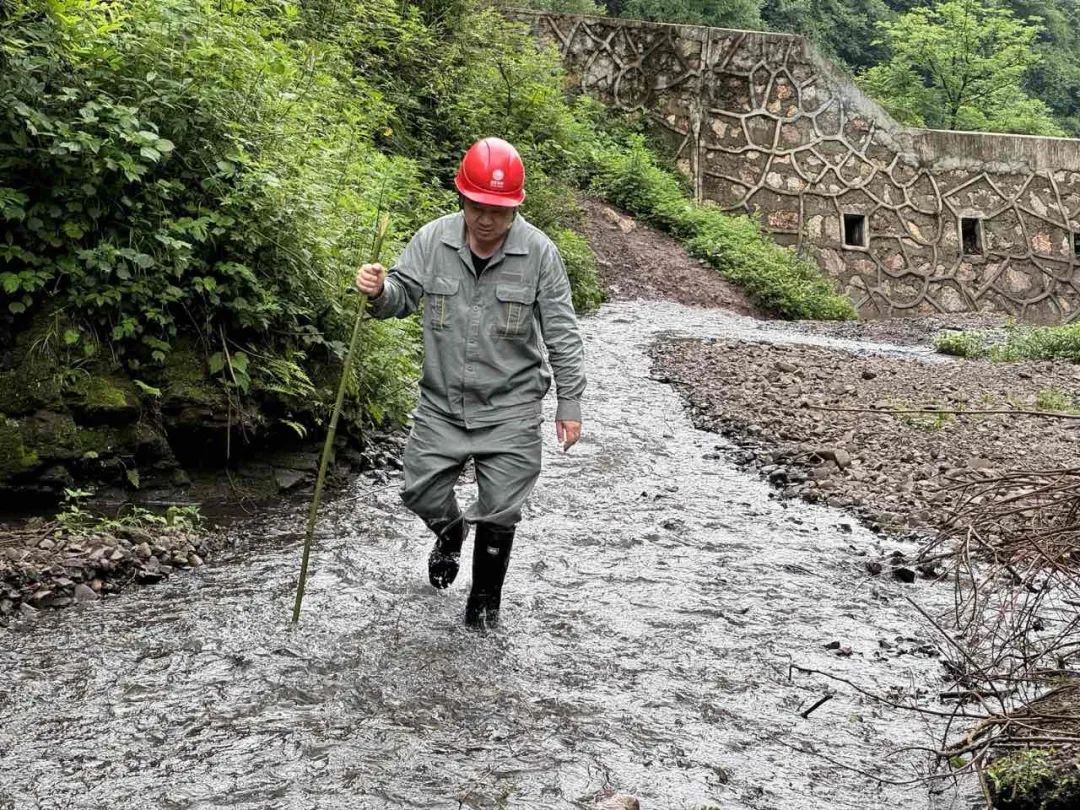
507 461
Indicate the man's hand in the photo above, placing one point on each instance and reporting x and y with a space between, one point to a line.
369 279
568 433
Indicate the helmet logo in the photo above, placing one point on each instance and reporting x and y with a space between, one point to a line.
497 178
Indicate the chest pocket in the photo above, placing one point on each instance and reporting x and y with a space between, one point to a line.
439 290
514 310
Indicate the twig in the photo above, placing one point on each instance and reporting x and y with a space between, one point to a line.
805 715
892 411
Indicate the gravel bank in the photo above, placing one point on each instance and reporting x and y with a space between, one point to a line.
894 470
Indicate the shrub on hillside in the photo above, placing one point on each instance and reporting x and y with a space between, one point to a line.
1014 343
175 170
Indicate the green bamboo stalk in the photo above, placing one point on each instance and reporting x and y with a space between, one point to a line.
376 249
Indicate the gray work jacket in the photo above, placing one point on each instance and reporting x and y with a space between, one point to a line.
483 364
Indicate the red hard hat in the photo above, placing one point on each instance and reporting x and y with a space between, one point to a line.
492 173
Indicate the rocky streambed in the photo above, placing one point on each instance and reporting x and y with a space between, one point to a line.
44 566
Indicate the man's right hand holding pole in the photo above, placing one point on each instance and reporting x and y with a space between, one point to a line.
369 279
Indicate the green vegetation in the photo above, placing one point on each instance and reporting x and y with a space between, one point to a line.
1034 779
75 519
727 13
560 6
1014 343
1051 399
961 65
188 188
927 422
185 178
581 267
776 278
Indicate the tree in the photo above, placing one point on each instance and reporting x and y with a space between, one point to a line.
843 29
1056 79
744 14
561 6
961 64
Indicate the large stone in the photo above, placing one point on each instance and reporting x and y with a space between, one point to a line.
84 593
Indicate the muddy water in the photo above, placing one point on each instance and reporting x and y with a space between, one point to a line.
655 602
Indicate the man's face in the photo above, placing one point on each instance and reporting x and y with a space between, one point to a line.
488 223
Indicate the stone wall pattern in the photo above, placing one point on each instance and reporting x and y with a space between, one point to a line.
761 122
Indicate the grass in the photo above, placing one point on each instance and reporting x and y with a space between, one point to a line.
1018 343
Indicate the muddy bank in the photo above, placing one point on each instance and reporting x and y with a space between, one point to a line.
635 262
891 469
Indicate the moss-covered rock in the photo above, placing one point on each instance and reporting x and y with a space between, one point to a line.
103 397
1036 779
184 381
15 457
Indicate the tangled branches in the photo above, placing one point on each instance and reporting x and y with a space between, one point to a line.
1011 547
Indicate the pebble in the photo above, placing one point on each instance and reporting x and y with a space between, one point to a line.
61 571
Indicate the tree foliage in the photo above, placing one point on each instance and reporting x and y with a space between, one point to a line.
189 172
744 14
961 64
844 29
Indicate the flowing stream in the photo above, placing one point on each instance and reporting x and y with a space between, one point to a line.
656 601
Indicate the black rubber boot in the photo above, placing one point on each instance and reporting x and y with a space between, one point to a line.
491 558
443 560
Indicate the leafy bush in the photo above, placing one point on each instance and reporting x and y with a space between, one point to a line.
580 267
1052 399
961 344
178 172
561 6
1040 778
1014 343
774 277
175 168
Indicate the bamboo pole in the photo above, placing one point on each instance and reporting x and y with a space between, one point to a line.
331 433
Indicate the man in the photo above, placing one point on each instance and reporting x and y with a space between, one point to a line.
494 286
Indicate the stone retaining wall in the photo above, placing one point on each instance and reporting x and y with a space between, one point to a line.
935 221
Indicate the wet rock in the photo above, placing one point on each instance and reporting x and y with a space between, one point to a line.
287 479
839 649
618 801
903 574
873 567
152 573
84 593
842 458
